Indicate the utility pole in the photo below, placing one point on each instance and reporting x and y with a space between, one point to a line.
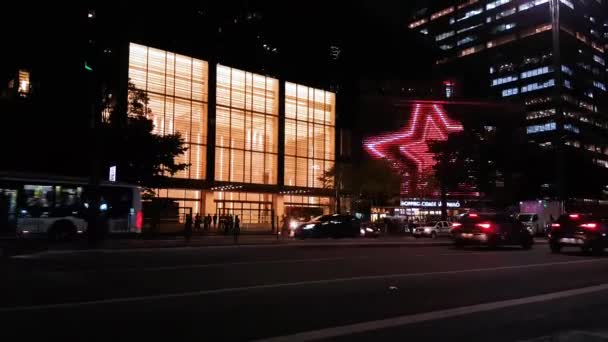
559 114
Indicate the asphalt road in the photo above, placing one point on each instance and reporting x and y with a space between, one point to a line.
298 293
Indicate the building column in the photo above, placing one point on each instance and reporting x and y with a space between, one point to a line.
281 137
211 104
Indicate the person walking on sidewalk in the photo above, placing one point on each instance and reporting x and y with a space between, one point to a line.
188 227
208 222
197 223
215 221
237 228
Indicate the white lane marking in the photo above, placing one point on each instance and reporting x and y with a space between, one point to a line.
243 263
281 285
357 328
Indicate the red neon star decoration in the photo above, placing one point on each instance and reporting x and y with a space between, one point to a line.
407 150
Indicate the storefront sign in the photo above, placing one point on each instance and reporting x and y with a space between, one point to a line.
428 204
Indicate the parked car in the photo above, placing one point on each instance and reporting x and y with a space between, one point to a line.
490 229
334 226
581 230
432 229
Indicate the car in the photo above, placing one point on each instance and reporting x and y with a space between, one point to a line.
334 226
490 229
432 229
371 229
531 221
586 231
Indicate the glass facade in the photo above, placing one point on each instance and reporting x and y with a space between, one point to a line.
247 123
254 209
177 90
309 135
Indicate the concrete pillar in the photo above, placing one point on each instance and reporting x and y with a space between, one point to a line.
278 206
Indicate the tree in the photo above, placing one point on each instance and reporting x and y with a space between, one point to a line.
140 155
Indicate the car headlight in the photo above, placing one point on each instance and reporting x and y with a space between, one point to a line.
309 226
293 224
369 230
427 230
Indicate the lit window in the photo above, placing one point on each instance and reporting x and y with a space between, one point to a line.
535 72
538 86
599 59
443 36
505 13
540 114
568 84
417 23
599 85
549 126
442 13
468 28
466 40
246 127
446 46
567 70
500 41
471 50
309 135
504 27
531 4
503 80
510 92
24 83
424 31
571 128
470 14
496 3
536 30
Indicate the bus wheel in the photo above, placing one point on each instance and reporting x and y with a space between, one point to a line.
62 230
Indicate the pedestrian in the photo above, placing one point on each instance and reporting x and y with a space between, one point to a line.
237 228
215 221
197 223
188 227
208 220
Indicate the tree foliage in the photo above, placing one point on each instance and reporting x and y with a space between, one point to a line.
129 142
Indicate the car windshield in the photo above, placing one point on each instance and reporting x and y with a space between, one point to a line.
322 218
525 217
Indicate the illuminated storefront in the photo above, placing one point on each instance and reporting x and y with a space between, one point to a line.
244 177
177 90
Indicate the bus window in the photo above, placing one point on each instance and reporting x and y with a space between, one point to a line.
37 200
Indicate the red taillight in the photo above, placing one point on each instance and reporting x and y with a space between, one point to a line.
574 216
456 225
555 225
589 226
139 220
485 226
473 215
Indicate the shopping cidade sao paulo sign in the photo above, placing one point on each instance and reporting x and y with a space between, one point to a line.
428 204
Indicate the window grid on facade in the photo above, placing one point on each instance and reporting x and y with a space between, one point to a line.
309 135
176 86
246 127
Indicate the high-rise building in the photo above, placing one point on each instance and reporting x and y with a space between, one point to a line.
549 55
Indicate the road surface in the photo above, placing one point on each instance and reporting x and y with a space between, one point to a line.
301 293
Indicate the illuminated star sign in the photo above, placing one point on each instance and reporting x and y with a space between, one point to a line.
408 149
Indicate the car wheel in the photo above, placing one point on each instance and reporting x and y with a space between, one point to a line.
433 235
555 247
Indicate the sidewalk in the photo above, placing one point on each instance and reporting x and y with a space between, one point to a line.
34 246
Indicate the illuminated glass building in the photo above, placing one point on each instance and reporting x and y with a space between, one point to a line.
549 55
257 146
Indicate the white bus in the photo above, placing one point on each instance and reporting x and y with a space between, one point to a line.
57 207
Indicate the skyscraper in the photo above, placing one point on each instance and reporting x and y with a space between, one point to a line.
549 55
